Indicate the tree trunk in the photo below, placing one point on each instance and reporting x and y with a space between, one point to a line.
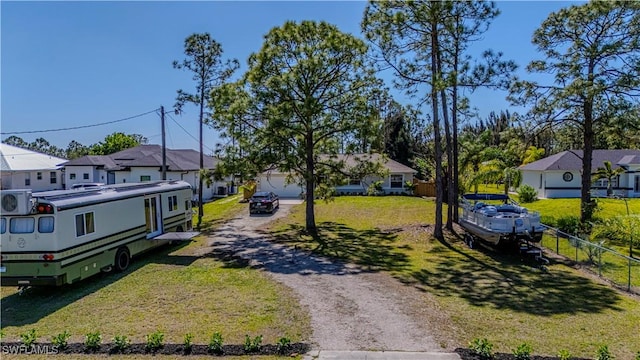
437 231
309 180
454 128
200 182
447 132
586 206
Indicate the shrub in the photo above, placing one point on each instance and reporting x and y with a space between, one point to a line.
638 355
92 340
283 344
121 342
409 186
29 338
564 354
188 342
60 340
154 341
603 353
215 344
569 224
252 345
1 333
482 347
375 188
527 194
523 352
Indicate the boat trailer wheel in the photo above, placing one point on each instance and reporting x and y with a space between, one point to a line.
468 238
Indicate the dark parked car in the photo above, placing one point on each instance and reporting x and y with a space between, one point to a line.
263 201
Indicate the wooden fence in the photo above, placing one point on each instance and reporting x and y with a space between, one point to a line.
424 188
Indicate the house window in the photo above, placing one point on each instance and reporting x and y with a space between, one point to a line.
45 224
636 184
27 179
85 224
540 186
39 175
603 183
54 177
72 176
396 180
85 176
145 178
354 181
23 225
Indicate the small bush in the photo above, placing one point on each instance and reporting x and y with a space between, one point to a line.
283 344
375 189
482 347
1 333
252 345
61 339
523 352
527 194
569 224
215 344
92 340
29 338
154 341
638 355
121 343
564 354
188 342
603 353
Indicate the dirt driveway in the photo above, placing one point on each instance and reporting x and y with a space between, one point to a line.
350 309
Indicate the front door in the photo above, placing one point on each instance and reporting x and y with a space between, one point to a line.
636 185
153 215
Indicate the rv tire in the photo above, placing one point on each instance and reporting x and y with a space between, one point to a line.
123 259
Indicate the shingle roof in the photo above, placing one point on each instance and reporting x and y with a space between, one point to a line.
13 158
392 165
147 156
572 160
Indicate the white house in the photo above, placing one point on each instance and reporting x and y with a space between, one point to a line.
25 169
559 175
393 183
143 163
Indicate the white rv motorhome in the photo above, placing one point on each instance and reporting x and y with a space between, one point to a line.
60 237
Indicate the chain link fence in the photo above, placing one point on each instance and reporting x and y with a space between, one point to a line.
621 270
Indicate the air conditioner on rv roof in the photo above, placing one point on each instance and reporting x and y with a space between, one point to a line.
16 202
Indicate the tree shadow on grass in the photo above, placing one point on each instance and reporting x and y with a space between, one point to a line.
38 302
373 249
487 278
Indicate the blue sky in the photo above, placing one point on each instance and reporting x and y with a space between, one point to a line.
68 64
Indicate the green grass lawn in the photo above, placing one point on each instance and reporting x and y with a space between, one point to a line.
176 290
483 294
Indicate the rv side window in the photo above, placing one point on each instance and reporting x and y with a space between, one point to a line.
45 224
84 224
173 203
186 205
4 226
23 225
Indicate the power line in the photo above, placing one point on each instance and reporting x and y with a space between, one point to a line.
77 127
188 133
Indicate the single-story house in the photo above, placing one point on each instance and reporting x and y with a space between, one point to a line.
560 175
143 163
393 183
25 169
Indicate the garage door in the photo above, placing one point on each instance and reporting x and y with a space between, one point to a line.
276 183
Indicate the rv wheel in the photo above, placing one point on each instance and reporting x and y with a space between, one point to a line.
123 259
469 240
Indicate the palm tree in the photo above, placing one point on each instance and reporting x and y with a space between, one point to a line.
607 172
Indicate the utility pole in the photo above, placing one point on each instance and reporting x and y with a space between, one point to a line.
164 147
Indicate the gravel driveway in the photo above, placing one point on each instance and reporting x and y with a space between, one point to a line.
350 309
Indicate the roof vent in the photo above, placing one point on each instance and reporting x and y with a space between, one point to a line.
16 202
